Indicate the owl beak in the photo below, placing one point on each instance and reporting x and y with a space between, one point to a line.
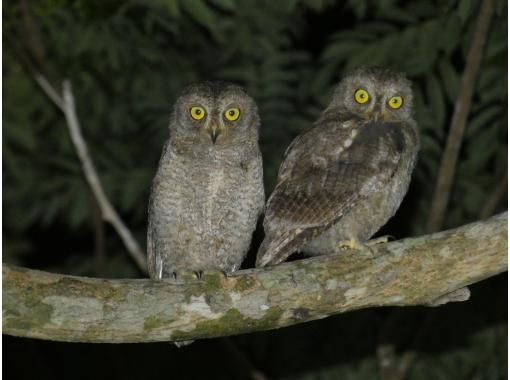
214 131
376 112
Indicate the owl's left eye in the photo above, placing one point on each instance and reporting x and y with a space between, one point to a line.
232 114
361 96
396 102
197 112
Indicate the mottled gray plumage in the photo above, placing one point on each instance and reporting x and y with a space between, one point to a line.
208 192
344 178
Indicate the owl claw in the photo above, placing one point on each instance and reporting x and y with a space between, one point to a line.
185 276
362 249
199 274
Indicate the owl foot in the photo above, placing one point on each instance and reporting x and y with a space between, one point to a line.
186 276
362 249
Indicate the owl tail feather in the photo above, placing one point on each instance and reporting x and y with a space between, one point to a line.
275 250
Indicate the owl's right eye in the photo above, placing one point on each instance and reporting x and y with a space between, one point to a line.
197 113
361 96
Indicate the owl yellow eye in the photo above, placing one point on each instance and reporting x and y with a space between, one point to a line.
396 102
232 114
361 96
197 113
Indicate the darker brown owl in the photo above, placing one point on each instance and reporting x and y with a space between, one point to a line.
344 178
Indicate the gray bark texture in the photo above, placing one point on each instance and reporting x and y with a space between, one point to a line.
413 271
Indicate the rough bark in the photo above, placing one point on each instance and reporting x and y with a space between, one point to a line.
412 271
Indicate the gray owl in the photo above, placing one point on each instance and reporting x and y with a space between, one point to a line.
345 177
208 192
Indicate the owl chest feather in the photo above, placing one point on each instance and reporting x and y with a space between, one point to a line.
205 187
205 207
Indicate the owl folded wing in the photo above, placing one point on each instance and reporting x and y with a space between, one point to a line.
315 190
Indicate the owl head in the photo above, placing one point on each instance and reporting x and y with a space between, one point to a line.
215 114
375 94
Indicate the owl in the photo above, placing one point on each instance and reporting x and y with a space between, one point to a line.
345 177
208 191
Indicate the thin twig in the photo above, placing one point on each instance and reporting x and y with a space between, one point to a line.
108 212
31 35
49 90
67 106
495 198
460 115
27 64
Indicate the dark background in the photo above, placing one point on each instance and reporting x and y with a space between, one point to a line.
128 61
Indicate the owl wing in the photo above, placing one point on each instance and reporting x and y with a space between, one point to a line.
153 262
325 174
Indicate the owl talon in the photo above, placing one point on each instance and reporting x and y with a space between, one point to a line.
362 249
185 276
198 274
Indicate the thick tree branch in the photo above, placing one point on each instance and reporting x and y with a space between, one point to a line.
460 115
414 271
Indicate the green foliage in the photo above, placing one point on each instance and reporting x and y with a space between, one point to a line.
129 60
483 358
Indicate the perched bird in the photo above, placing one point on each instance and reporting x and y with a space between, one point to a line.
208 191
345 177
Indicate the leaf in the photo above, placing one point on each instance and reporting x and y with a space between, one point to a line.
466 9
172 6
315 5
227 5
483 120
393 13
201 14
450 33
338 52
436 100
423 8
19 136
450 79
359 7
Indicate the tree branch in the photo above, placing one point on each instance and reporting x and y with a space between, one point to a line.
108 212
66 104
460 115
412 271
